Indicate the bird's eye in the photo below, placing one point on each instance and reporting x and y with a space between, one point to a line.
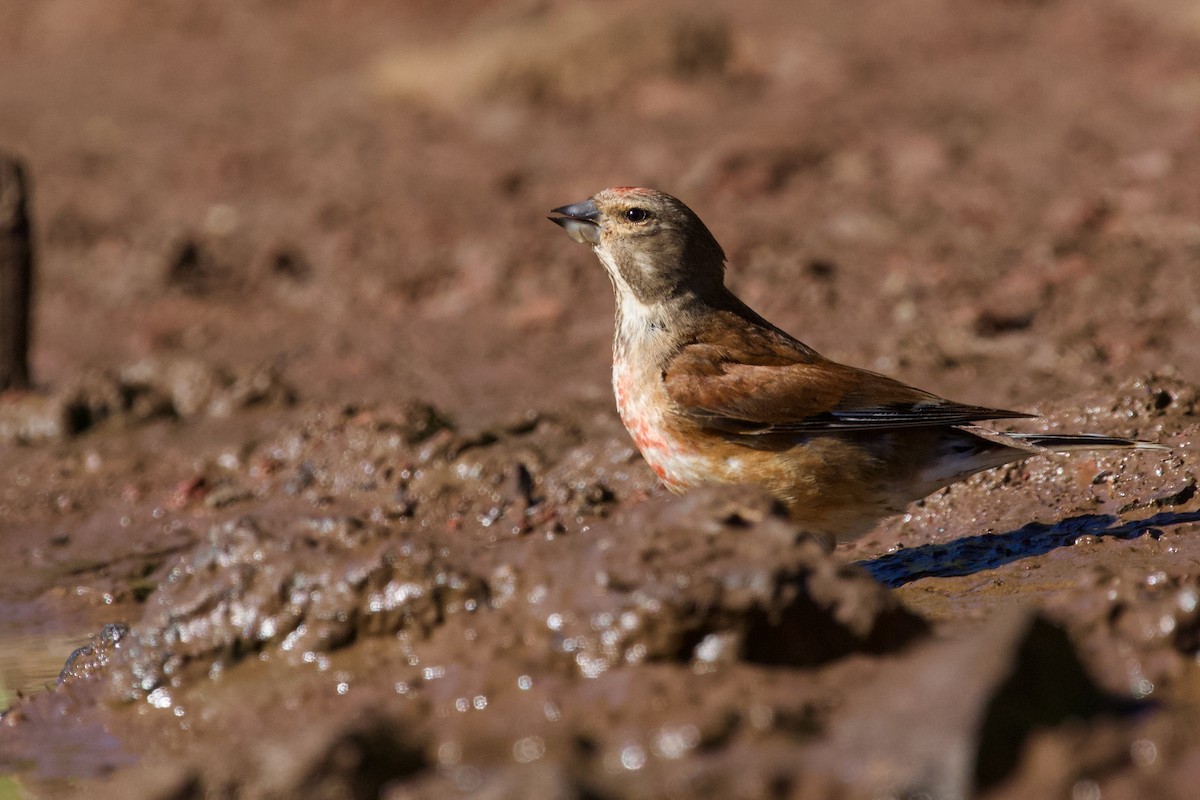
637 215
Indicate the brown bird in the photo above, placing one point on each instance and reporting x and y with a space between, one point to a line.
713 393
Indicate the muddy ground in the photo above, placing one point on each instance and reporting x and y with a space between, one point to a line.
322 465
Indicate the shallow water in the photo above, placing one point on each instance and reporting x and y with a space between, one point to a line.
30 655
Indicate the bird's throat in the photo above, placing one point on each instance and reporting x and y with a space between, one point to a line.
638 322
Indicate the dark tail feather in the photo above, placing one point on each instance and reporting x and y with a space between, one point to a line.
1082 441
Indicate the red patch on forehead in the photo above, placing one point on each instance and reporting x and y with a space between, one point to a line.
627 190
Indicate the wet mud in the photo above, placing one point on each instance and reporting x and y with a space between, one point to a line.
319 490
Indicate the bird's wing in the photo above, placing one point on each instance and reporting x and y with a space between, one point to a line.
767 389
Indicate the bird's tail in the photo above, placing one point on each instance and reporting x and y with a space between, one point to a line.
1062 443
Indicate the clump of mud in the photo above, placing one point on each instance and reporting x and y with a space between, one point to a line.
173 388
558 635
714 577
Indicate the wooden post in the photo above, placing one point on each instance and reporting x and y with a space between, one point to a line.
16 275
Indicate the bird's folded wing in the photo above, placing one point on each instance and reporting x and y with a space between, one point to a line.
811 395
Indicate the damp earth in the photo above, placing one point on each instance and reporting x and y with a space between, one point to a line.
320 491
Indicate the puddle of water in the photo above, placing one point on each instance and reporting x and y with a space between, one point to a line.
39 760
31 656
31 663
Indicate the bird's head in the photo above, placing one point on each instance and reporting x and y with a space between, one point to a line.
653 246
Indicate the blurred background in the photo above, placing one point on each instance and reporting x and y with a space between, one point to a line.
996 200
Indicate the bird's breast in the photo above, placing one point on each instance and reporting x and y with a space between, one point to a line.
644 409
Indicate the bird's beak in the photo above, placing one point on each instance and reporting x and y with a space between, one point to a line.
580 221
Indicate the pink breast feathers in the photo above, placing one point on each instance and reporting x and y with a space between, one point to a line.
644 425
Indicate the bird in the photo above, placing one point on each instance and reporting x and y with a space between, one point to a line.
713 393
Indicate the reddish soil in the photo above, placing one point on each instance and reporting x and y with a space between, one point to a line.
323 432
